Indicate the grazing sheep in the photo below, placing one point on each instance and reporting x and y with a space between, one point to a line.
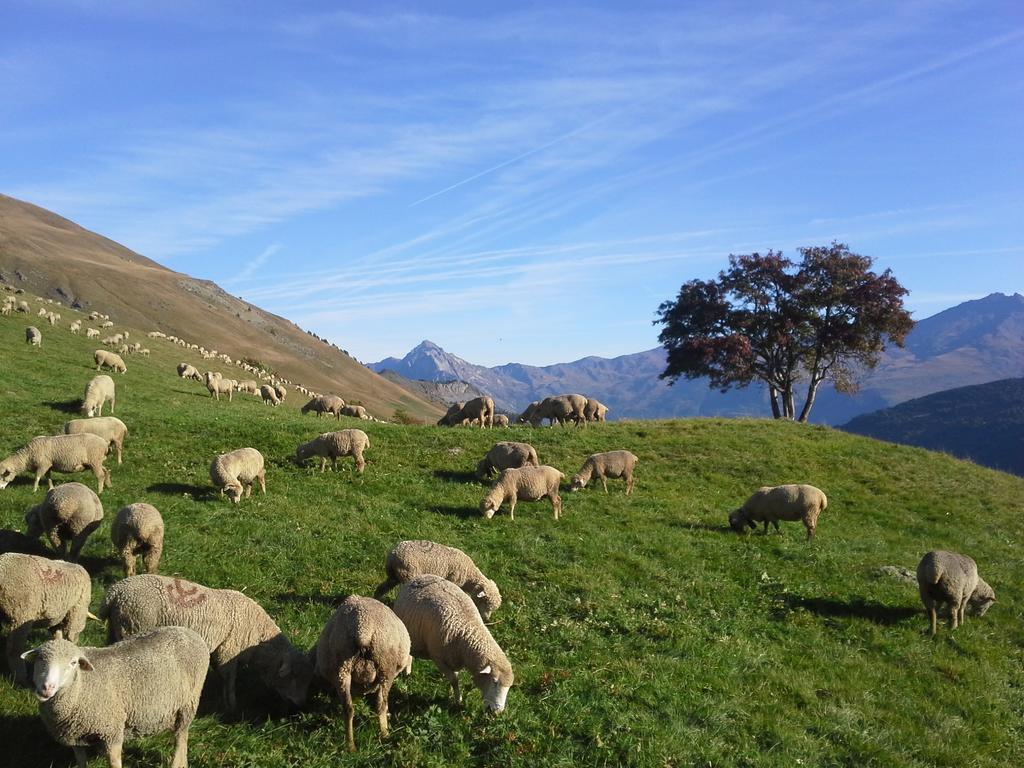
322 404
500 420
507 455
38 592
186 371
63 453
111 428
107 324
235 627
333 445
98 391
236 470
361 650
23 307
76 326
217 385
604 465
559 408
282 393
269 395
946 577
526 483
138 529
527 416
445 627
355 411
478 410
105 359
451 418
69 512
141 686
769 504
595 410
409 559
92 333
33 336
248 386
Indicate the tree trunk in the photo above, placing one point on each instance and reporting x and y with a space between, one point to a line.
774 396
788 409
812 391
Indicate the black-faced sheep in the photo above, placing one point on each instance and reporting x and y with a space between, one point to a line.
33 336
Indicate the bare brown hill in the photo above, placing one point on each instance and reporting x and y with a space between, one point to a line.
55 258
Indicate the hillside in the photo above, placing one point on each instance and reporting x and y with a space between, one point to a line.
983 423
52 257
972 343
642 631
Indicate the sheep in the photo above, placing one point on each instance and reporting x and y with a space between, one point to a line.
110 428
355 411
33 336
946 577
333 445
527 483
559 408
144 352
23 307
92 333
138 529
186 371
141 686
236 470
282 393
76 326
770 504
451 417
409 559
109 360
63 453
605 465
107 324
526 417
445 627
98 391
36 591
595 410
218 385
481 408
322 404
69 512
361 649
236 629
500 420
269 395
248 386
506 455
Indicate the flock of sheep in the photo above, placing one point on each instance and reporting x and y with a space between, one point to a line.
164 632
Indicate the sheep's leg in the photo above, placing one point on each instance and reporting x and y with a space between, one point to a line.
384 587
343 685
629 483
184 720
382 707
263 482
229 673
118 447
114 751
556 505
604 482
79 541
452 676
128 559
81 756
151 558
511 508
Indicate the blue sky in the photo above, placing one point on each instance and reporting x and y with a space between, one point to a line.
520 182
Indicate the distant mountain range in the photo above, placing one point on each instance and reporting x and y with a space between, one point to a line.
971 343
983 423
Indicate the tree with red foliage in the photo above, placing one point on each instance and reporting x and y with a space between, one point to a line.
769 320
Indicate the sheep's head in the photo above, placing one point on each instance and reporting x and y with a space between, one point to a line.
303 452
55 664
981 599
486 596
494 680
738 519
33 523
490 503
578 482
7 474
234 491
285 669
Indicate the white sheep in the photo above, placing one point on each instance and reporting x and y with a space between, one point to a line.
76 326
500 420
445 627
39 592
138 529
281 392
612 464
361 650
950 578
595 410
248 386
355 411
186 371
234 471
63 453
98 391
236 629
526 483
111 428
322 404
138 687
769 504
217 385
333 445
92 333
409 559
69 512
507 455
111 360
33 336
269 395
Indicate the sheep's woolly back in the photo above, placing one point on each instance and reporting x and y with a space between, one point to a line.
363 628
507 455
70 511
109 359
785 502
61 453
236 469
446 627
98 391
138 529
332 445
528 483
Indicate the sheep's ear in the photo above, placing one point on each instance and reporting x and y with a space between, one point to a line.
482 594
485 671
30 656
83 663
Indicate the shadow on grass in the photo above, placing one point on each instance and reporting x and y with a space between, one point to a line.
724 528
854 609
332 601
26 744
101 566
452 476
16 541
464 512
203 393
66 406
180 489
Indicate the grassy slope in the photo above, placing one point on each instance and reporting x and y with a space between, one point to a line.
641 630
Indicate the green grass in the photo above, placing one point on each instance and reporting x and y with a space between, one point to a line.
642 631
